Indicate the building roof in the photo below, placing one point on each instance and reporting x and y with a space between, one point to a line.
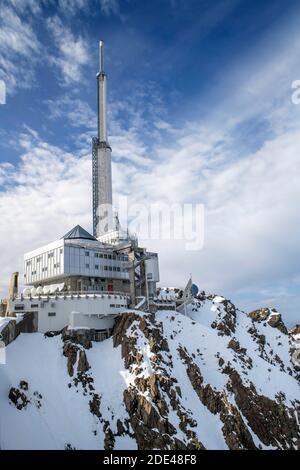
78 233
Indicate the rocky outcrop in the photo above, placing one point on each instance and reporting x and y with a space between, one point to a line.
78 336
149 417
295 330
25 324
70 351
274 424
235 432
271 316
18 398
260 314
83 364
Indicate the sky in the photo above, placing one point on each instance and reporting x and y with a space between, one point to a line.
200 111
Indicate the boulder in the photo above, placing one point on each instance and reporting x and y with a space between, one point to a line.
18 398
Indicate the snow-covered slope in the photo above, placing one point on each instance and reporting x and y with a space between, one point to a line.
215 379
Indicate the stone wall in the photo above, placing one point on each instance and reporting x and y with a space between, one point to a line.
28 324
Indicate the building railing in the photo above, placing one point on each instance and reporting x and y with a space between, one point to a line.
73 294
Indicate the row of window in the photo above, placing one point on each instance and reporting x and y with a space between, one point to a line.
39 258
87 253
56 265
108 268
106 256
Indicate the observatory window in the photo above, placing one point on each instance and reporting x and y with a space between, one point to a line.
51 314
19 307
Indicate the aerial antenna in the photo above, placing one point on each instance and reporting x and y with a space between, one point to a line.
101 56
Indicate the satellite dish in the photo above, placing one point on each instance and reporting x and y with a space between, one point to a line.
194 290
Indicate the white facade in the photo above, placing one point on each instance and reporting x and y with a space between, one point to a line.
152 269
65 258
58 311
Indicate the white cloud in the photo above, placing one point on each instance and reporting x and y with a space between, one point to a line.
72 7
77 111
73 51
252 210
19 49
22 5
42 199
110 7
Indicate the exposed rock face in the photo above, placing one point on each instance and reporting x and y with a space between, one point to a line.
18 398
236 433
272 422
83 365
26 324
82 337
149 418
215 378
272 317
70 351
295 330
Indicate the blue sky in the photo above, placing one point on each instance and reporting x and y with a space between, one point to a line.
199 111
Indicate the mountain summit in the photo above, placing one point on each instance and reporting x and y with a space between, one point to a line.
215 378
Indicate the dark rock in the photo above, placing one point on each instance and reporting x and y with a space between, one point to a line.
83 365
18 398
23 385
70 351
109 440
95 405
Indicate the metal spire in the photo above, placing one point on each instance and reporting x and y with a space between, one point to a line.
101 77
101 56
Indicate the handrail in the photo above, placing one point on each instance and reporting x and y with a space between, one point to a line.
71 294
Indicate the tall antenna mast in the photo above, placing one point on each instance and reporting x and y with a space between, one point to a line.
103 220
101 56
101 77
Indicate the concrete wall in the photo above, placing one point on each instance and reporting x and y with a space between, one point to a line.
54 313
96 322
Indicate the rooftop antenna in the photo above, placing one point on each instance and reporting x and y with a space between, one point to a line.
101 56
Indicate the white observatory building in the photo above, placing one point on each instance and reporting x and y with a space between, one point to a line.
84 280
